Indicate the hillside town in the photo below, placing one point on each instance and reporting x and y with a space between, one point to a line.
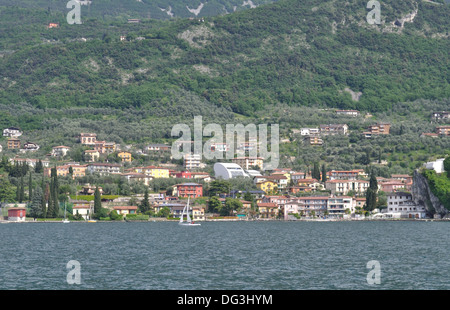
279 194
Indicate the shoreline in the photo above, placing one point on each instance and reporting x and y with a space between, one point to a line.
247 220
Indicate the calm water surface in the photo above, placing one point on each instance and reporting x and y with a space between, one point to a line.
225 255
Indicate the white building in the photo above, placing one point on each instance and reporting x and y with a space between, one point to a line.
84 210
29 147
12 132
309 131
248 162
437 165
193 161
60 151
401 202
337 206
104 169
342 187
228 171
352 113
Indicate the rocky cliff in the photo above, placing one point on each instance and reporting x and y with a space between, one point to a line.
423 196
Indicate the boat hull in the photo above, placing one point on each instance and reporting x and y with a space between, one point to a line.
188 224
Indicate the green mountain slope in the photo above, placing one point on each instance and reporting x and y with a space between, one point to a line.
299 53
159 9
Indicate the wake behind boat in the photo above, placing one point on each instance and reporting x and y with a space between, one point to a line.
188 221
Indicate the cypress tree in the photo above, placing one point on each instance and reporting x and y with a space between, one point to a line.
316 171
55 193
30 188
324 173
50 210
22 190
371 193
43 200
35 206
145 204
39 167
97 201
53 204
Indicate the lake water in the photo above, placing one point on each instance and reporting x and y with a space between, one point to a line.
225 255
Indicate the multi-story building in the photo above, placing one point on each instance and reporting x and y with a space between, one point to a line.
343 175
99 146
295 177
88 138
248 162
392 185
13 144
110 147
313 205
343 187
155 172
125 156
402 202
313 140
340 205
268 210
334 129
443 130
91 156
281 181
104 168
377 129
78 171
192 161
193 190
64 170
267 186
198 213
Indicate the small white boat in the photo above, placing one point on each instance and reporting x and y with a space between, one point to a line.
188 221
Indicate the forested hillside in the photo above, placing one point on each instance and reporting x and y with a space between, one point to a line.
300 53
158 9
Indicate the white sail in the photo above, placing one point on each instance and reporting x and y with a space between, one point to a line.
187 212
182 215
189 221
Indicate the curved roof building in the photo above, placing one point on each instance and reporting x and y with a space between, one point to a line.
228 171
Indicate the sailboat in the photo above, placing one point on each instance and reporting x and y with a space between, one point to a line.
65 219
188 221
